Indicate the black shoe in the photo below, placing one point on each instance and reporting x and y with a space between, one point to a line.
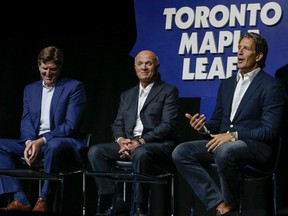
108 212
121 209
140 212
229 213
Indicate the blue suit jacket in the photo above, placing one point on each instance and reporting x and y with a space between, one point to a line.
259 114
67 108
159 113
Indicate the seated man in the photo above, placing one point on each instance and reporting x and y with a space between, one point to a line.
52 111
243 130
144 132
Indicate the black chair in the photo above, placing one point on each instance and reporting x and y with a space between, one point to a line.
36 172
268 176
123 173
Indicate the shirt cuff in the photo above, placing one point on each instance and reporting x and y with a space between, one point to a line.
26 143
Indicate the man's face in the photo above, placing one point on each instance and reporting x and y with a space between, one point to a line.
247 57
49 72
145 66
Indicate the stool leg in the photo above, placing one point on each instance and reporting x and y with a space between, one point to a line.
172 194
133 195
98 205
39 187
84 193
61 195
124 191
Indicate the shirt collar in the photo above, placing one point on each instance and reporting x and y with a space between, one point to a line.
147 89
48 87
249 75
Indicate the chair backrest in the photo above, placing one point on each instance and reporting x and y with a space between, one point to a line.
271 166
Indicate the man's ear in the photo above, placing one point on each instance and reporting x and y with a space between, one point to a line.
259 56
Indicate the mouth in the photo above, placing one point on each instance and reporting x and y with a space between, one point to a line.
240 60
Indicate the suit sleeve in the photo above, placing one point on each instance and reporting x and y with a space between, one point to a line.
27 128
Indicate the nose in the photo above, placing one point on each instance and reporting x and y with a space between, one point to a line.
144 66
240 51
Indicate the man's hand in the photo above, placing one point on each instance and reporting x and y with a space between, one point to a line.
124 150
197 121
32 149
133 145
218 139
127 146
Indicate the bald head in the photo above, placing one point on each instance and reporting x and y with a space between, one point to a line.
146 67
150 54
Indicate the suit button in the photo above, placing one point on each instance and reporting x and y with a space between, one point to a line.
231 126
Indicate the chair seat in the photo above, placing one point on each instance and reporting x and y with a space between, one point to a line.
129 177
29 174
123 172
123 164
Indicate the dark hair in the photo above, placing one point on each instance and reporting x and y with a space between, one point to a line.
50 53
261 46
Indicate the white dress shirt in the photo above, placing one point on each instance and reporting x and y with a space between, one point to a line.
143 93
241 87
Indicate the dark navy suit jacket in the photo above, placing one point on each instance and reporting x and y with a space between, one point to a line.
67 108
259 114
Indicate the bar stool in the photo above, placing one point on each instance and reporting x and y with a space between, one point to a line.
124 173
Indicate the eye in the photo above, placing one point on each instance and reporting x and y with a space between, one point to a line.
139 64
149 63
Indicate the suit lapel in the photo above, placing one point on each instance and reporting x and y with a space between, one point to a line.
38 102
56 96
248 94
232 85
153 92
134 106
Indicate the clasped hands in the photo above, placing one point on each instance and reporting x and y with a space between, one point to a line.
127 146
32 149
198 123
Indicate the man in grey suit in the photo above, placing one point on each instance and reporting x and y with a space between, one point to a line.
144 132
242 130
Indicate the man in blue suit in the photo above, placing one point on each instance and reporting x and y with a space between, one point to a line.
52 112
242 130
144 132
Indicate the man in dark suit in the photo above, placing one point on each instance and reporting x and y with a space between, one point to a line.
243 129
52 112
144 131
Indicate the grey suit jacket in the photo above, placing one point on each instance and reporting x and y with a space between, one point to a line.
159 114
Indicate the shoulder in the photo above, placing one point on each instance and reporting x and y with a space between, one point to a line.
70 84
131 90
68 81
267 79
165 86
34 84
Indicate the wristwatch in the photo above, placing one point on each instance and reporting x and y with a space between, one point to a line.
117 139
232 136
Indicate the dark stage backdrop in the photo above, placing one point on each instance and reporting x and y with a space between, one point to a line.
97 41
